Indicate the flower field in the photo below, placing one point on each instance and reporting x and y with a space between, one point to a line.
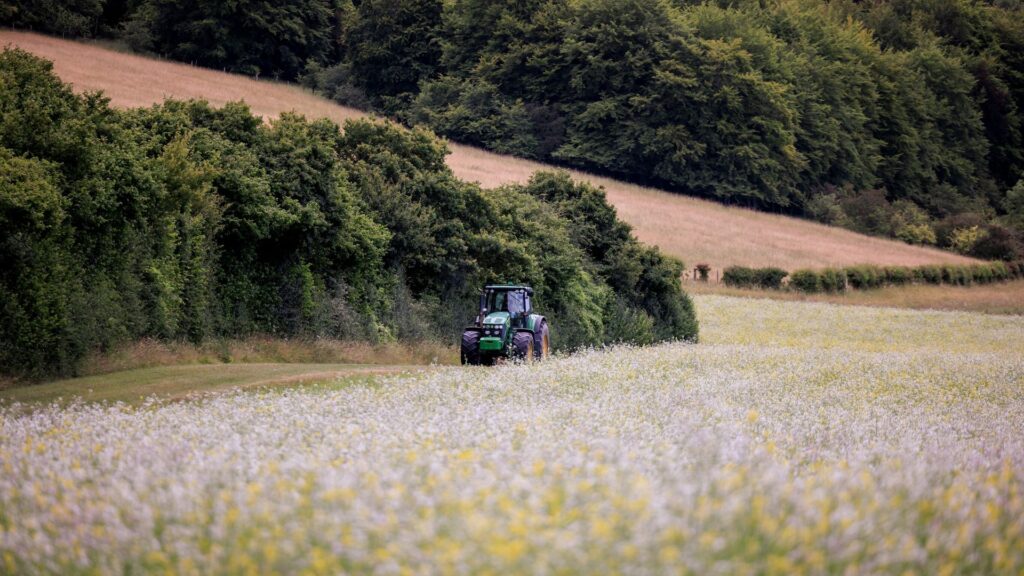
797 438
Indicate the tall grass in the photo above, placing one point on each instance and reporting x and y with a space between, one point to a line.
150 353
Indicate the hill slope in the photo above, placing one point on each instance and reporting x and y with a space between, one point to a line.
691 229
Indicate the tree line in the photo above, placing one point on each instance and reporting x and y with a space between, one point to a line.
900 118
188 222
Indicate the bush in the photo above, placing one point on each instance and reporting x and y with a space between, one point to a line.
998 243
1000 271
898 275
807 281
739 277
1015 269
931 274
833 280
956 275
769 278
980 273
864 277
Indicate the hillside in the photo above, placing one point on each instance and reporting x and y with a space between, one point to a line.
691 229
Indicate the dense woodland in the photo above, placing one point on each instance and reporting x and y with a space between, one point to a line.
901 118
186 222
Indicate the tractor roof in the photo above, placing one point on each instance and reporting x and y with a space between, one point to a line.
508 287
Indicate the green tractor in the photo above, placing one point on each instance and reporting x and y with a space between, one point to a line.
506 328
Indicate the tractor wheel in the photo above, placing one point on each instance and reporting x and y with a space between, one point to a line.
471 347
541 342
522 344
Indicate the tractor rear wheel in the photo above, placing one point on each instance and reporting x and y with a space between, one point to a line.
471 347
541 342
522 344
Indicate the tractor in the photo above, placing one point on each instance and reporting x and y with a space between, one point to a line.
506 328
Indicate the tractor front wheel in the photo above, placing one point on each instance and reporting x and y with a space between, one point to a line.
522 344
471 347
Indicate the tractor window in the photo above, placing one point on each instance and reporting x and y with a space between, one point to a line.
516 302
496 302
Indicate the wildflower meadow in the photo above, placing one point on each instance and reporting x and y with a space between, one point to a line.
795 438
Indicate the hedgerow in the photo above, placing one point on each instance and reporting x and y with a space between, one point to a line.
870 277
768 278
185 222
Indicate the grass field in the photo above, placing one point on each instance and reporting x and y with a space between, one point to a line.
180 382
797 438
691 229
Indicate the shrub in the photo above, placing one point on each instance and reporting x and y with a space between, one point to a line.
898 275
1015 269
769 278
833 280
807 281
931 274
980 273
739 277
963 240
955 275
864 277
1000 271
998 243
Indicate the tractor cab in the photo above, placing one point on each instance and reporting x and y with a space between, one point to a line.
500 302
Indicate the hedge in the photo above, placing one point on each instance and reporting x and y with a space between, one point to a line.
738 277
768 278
808 281
866 277
833 280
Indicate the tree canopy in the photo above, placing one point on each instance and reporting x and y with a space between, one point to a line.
826 109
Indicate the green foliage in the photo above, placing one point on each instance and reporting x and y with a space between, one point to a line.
185 222
639 277
864 277
931 274
247 36
897 275
869 277
807 281
475 113
1015 206
738 277
832 280
769 278
391 46
963 240
885 117
64 17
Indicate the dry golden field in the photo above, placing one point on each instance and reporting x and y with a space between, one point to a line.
1002 298
688 228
